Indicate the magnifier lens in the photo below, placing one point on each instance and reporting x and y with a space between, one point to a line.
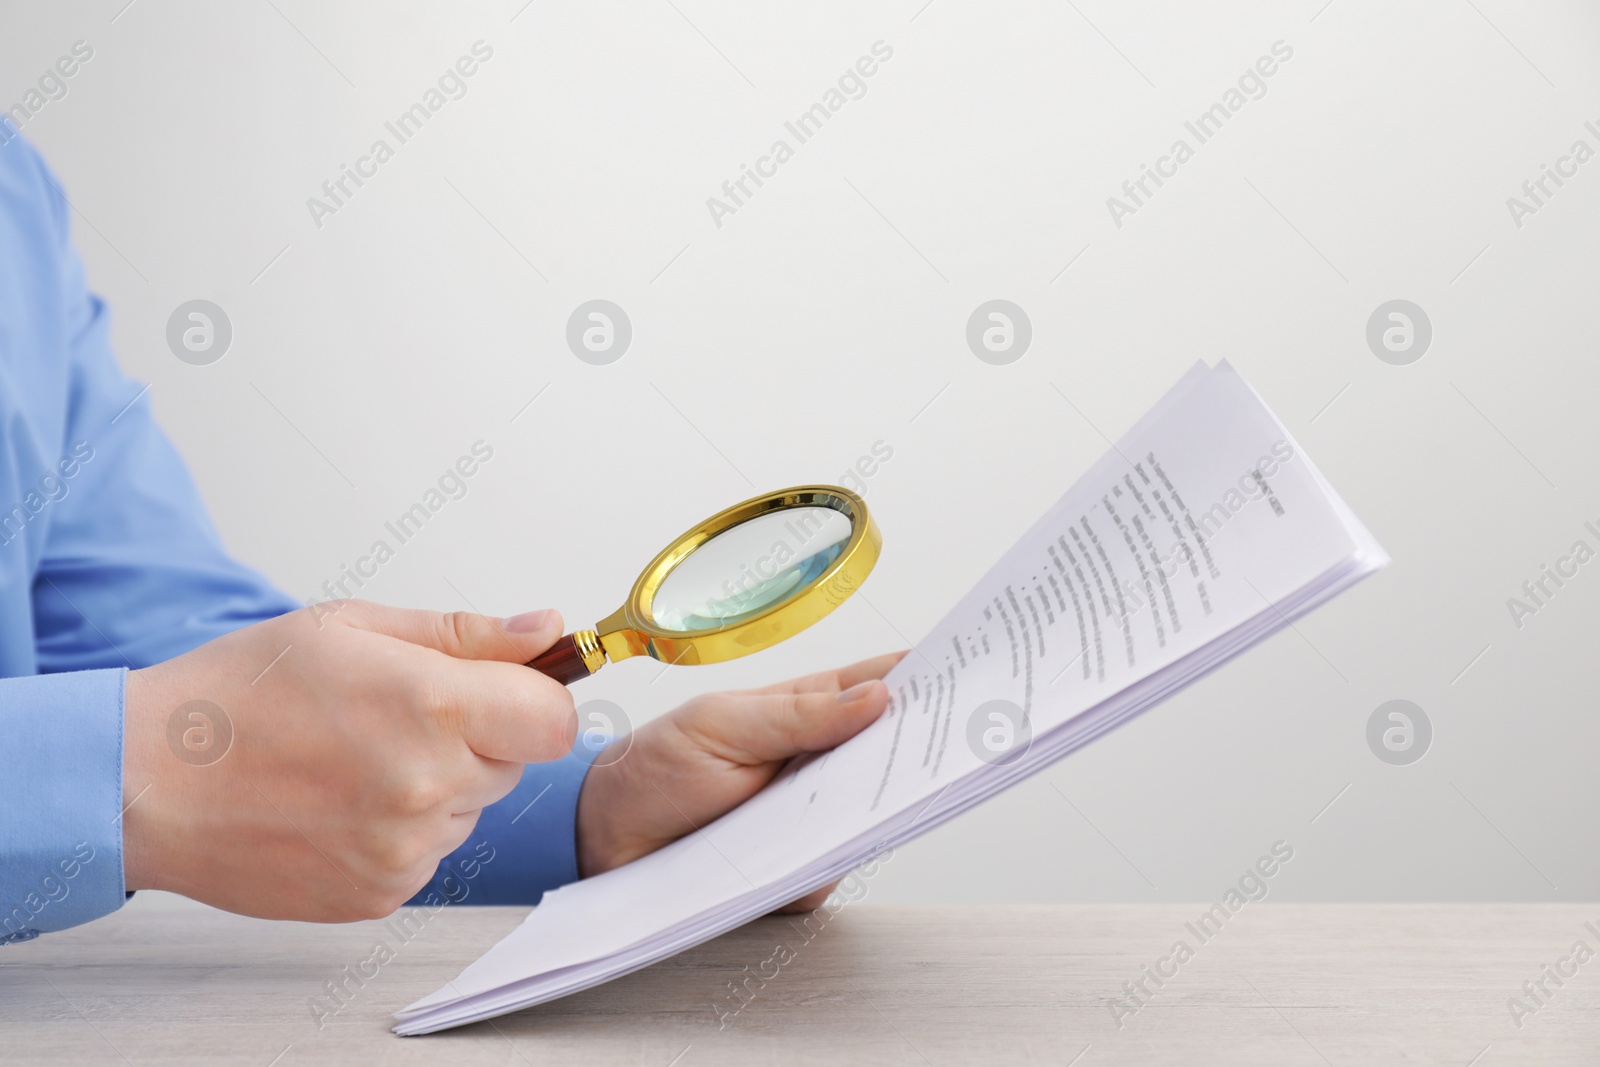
749 568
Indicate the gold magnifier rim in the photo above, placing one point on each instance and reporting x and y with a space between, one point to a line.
630 630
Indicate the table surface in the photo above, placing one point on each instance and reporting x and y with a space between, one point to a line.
168 981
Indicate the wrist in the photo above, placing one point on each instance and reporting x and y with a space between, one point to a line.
152 834
586 826
599 850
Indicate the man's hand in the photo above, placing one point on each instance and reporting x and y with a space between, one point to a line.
690 766
364 742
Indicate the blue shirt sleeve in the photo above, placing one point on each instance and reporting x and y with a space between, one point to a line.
132 572
62 797
108 562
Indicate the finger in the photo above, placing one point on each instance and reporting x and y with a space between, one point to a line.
484 782
810 902
461 634
453 833
752 728
839 679
503 711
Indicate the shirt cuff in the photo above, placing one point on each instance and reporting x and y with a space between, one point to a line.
61 799
524 844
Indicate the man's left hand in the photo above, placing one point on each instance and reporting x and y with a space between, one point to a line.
712 754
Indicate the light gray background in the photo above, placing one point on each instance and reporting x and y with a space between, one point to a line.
830 313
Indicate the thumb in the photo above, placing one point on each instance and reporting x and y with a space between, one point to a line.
462 634
752 728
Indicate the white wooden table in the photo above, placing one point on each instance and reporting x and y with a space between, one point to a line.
167 981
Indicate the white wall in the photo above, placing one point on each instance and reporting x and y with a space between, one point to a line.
825 314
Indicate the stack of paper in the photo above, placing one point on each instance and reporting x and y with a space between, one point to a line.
1204 531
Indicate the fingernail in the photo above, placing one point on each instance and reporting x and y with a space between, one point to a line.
528 622
855 692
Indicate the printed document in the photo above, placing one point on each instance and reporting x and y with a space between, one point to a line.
1203 531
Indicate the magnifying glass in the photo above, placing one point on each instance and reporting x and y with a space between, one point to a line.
743 580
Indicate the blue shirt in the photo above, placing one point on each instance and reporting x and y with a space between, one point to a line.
108 562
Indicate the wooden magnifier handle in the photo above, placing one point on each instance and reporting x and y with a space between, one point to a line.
571 659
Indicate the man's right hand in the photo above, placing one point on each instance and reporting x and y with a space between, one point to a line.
364 742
